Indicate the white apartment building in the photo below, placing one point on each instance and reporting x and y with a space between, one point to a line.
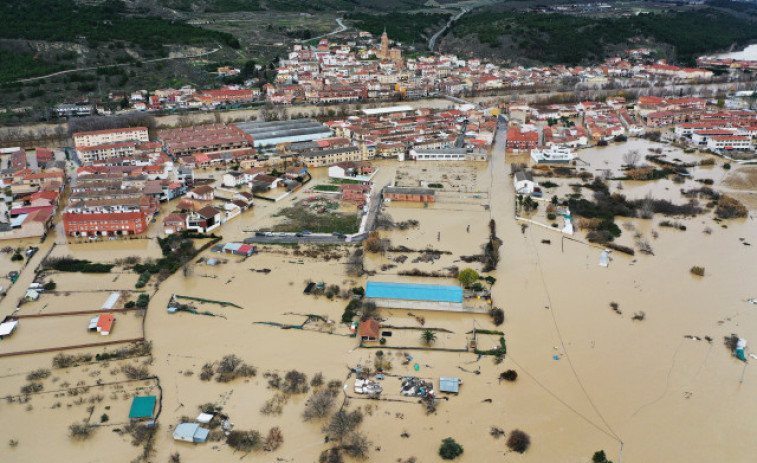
111 136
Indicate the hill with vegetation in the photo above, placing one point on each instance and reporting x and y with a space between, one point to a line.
407 28
107 27
554 38
229 6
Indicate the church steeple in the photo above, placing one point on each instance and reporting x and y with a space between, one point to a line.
384 51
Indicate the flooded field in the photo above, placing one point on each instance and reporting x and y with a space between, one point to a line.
650 370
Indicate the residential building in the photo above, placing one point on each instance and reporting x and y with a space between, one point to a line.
204 220
332 156
521 141
103 223
204 139
355 192
175 223
111 136
729 142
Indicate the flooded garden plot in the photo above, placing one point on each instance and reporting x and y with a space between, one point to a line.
453 176
428 239
258 285
42 397
639 179
61 301
8 262
111 250
69 330
318 214
117 280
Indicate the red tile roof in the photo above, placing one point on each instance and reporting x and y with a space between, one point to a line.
105 322
369 329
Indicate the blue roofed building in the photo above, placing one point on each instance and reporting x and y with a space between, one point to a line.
143 408
448 298
190 432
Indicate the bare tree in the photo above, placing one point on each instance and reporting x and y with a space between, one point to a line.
357 445
631 158
319 405
229 363
343 422
647 207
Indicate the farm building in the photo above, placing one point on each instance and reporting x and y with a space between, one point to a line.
415 296
190 432
237 249
369 330
417 195
102 324
111 301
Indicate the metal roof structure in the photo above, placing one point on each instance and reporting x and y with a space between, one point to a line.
271 133
8 327
190 432
447 384
387 110
142 407
414 292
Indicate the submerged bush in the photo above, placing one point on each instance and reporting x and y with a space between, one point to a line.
697 270
518 441
450 449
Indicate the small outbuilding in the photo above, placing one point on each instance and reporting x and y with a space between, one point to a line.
190 432
7 328
238 249
525 185
102 324
449 385
204 418
111 301
143 408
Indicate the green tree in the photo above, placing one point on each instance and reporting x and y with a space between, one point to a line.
467 277
428 337
600 457
450 449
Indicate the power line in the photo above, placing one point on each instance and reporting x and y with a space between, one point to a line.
562 344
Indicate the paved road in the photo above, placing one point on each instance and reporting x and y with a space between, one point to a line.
464 10
432 42
342 28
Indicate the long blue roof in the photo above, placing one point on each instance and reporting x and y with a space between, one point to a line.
414 292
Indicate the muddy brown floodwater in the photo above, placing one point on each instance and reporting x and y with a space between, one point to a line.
643 383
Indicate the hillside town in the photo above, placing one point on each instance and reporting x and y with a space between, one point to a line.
357 68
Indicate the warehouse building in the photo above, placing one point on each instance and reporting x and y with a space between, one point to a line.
445 298
274 133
